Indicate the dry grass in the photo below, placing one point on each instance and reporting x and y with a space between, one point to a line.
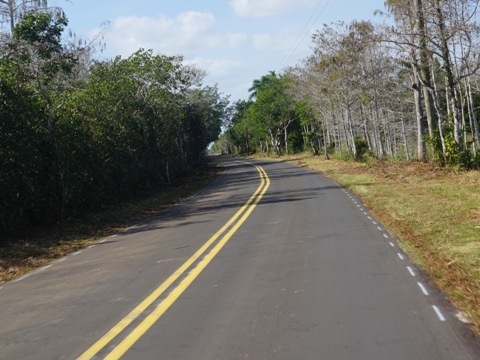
40 246
435 212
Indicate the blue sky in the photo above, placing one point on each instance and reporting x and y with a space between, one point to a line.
234 41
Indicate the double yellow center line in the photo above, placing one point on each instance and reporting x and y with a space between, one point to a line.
215 246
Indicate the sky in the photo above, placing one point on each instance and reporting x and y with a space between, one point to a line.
234 41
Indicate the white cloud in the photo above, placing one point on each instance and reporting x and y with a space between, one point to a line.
217 68
264 8
285 42
187 34
229 56
234 77
237 40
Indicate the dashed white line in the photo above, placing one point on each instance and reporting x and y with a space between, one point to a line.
91 246
439 313
400 256
374 222
379 228
44 268
62 259
102 241
76 253
411 271
385 236
424 290
392 244
369 218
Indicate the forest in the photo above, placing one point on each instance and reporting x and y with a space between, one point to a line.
77 133
406 88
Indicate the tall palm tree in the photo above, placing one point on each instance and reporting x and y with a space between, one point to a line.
259 83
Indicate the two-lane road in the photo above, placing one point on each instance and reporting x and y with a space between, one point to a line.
269 262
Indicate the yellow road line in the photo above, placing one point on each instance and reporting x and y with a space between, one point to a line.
174 295
155 315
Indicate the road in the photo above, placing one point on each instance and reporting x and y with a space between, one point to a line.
270 262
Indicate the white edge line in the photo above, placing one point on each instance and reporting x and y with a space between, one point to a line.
439 313
21 278
102 241
44 268
76 253
91 246
424 290
411 271
400 256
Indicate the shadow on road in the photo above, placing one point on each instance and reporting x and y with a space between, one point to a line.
239 179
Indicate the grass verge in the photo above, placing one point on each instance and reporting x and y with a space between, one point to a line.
40 246
434 212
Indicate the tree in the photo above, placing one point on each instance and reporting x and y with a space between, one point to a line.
12 11
442 36
274 108
259 83
70 142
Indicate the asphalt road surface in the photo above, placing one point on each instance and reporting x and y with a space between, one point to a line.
269 262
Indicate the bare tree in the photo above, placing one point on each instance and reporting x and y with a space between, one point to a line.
11 11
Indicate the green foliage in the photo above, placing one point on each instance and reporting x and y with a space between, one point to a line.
363 151
454 156
68 145
43 30
270 120
436 145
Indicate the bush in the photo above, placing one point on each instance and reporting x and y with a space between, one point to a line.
363 151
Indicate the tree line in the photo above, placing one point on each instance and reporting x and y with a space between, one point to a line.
78 133
407 88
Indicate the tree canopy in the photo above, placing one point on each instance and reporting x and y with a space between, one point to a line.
408 88
76 134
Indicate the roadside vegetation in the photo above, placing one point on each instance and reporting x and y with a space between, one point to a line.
39 245
87 146
391 111
405 89
78 134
